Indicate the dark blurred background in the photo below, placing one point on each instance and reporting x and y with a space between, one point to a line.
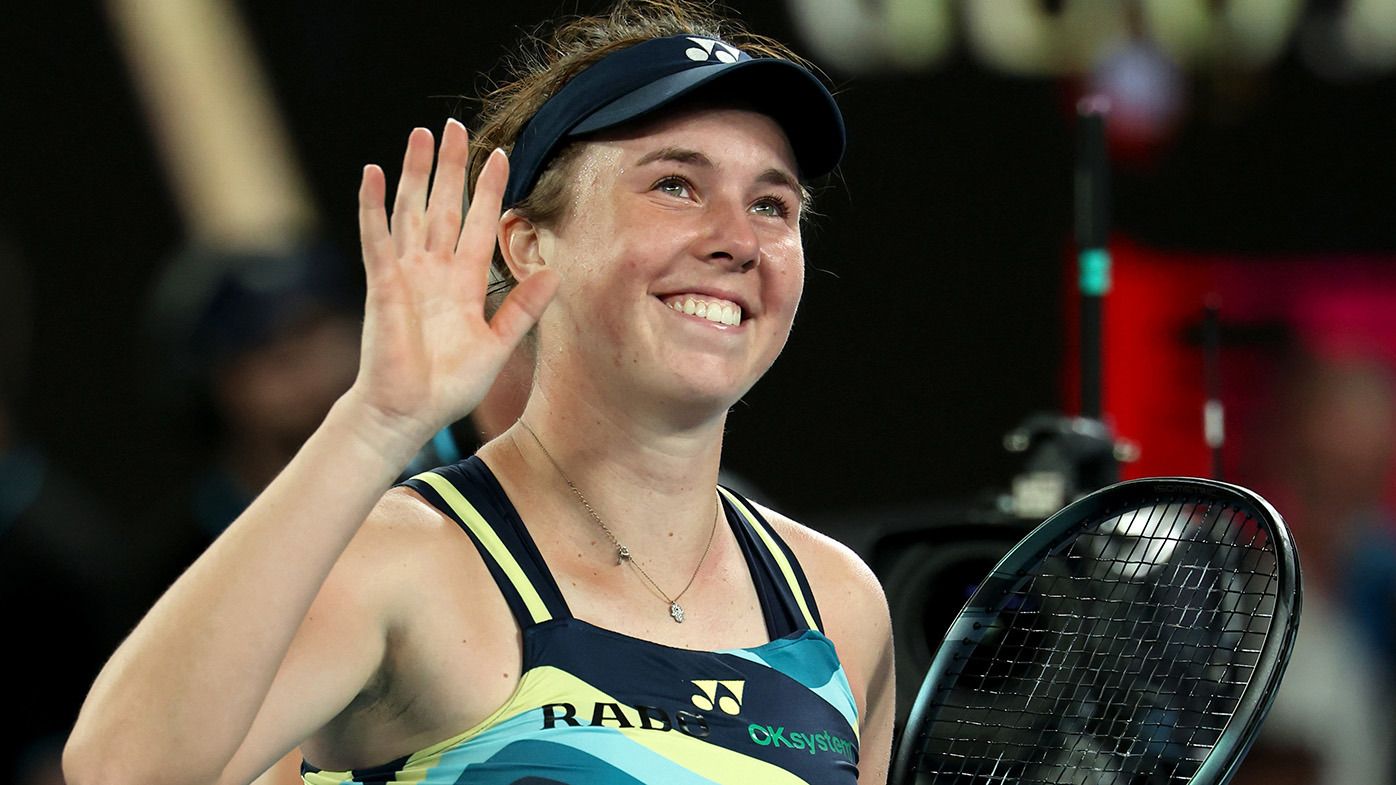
1253 150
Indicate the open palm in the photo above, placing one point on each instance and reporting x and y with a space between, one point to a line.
429 353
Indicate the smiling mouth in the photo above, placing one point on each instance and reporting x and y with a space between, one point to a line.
704 307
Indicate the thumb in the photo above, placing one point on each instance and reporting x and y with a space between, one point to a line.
524 306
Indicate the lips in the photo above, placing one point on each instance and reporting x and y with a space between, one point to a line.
703 306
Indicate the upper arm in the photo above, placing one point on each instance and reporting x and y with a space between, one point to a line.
855 615
857 620
337 651
880 688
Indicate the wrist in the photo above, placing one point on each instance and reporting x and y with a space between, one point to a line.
395 438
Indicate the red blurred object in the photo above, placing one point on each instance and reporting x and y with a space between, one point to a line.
1270 308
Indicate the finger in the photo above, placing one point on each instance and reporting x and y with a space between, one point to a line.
475 246
374 237
524 306
448 189
409 206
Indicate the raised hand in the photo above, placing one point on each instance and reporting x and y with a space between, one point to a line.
429 355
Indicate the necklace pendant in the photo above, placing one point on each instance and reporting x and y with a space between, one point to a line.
676 610
622 554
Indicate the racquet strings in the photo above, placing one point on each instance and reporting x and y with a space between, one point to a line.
1116 660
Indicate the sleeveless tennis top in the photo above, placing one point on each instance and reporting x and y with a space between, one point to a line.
596 707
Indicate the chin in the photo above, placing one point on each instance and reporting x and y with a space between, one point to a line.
719 400
696 398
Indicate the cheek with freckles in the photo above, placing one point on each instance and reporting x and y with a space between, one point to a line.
599 309
786 283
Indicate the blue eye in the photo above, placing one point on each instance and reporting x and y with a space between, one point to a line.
675 186
772 206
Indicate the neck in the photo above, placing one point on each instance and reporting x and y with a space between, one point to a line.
652 484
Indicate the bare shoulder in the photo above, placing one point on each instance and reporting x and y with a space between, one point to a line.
402 537
403 512
401 523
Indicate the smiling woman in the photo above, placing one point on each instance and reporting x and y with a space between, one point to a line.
579 602
676 210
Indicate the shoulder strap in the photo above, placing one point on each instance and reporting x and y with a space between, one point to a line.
786 598
469 494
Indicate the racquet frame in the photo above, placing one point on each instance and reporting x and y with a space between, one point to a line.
1235 739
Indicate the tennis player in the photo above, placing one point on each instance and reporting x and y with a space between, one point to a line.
579 602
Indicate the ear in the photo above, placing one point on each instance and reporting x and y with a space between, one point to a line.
521 243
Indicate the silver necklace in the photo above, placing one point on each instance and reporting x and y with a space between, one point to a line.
623 556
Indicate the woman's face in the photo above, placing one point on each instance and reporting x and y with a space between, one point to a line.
680 258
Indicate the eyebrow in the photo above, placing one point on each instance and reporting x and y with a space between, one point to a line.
682 155
677 155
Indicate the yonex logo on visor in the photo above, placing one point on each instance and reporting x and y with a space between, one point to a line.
708 49
636 81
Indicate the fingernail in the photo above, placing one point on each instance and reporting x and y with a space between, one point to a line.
500 150
455 122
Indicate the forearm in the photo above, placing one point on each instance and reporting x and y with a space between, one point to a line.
179 696
184 688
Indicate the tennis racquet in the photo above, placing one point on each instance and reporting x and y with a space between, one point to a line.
1136 637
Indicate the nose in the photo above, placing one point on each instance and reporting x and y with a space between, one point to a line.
733 240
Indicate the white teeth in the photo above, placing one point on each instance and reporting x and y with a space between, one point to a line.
718 313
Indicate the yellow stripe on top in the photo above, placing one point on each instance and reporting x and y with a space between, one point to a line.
485 534
777 554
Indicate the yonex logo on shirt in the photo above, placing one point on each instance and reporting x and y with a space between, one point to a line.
725 695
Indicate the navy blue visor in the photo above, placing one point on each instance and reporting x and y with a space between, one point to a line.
649 76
